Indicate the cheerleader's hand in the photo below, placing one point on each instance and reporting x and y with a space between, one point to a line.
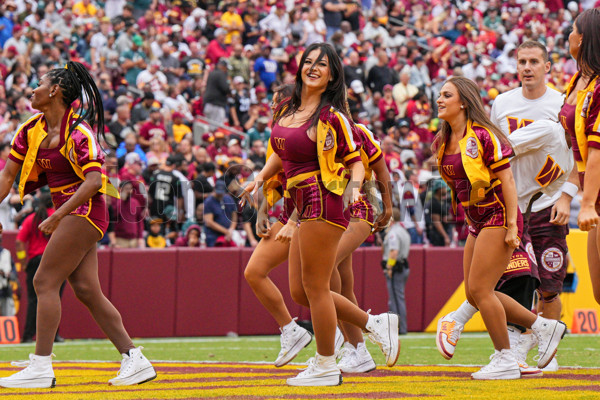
351 195
285 234
249 192
587 218
383 220
49 225
511 239
263 226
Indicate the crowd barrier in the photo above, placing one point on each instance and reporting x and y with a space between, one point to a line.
202 292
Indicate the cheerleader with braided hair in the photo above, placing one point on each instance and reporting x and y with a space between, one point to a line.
58 147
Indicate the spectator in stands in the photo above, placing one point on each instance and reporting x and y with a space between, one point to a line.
260 132
217 48
129 223
218 148
154 77
178 128
239 64
258 152
387 103
333 14
122 124
232 22
191 238
155 239
133 60
132 172
220 216
164 190
381 74
141 111
129 145
277 20
403 92
266 68
152 128
354 70
438 215
215 96
203 185
239 103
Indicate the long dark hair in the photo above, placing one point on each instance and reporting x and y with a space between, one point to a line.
41 213
76 83
474 110
588 57
334 94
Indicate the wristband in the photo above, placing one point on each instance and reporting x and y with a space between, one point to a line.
21 255
390 263
570 188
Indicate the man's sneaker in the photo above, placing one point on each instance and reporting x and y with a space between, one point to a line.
293 339
552 366
383 331
503 365
321 371
448 333
135 369
339 342
549 332
38 374
526 343
357 360
527 371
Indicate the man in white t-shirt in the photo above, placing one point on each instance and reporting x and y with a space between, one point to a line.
543 164
155 78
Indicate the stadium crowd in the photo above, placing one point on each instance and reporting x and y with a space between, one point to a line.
187 88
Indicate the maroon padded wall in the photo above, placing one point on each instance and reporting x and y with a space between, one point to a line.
143 287
208 286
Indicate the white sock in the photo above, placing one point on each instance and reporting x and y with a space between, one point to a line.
464 313
514 335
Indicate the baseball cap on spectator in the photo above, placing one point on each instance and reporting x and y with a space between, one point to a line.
233 142
177 114
10 3
219 134
238 79
248 47
220 187
418 59
17 28
133 158
442 73
263 120
105 20
198 12
403 123
220 31
148 96
137 40
260 89
573 6
357 86
176 28
464 50
154 109
387 87
12 49
460 18
155 63
437 185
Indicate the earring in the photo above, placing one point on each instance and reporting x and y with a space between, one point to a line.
50 95
462 107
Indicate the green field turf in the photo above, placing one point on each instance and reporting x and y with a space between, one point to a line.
417 349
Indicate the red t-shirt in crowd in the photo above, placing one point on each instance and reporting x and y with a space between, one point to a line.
30 234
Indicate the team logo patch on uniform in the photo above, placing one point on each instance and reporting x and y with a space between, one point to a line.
328 141
552 259
471 148
530 252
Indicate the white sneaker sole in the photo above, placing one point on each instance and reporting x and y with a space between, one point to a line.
363 368
511 374
143 376
35 383
438 342
391 358
327 380
532 374
296 348
559 332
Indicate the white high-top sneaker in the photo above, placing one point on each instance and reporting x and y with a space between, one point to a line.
339 342
526 343
552 366
346 354
516 337
293 339
549 332
383 331
358 361
448 333
321 371
503 365
135 369
37 374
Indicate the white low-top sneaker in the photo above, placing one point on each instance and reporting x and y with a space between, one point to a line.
293 339
38 374
321 371
383 331
135 369
357 360
448 333
503 365
549 332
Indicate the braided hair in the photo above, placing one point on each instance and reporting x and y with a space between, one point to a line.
76 83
